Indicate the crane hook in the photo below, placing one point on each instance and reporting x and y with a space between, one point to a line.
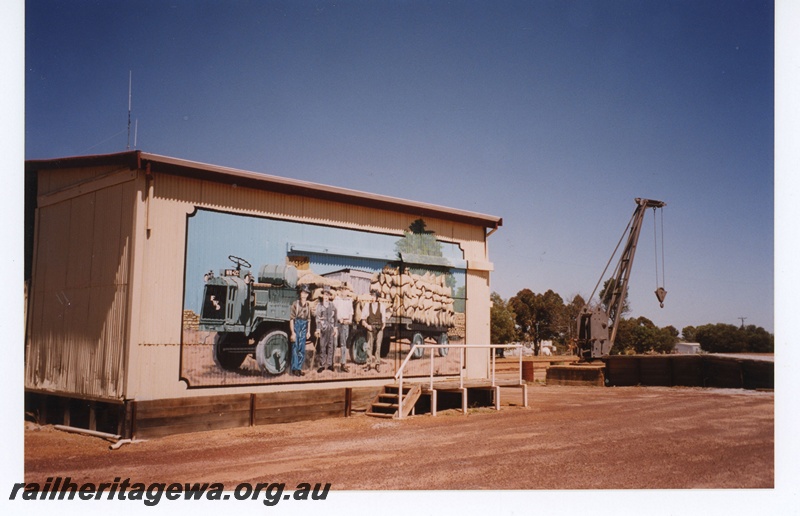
661 294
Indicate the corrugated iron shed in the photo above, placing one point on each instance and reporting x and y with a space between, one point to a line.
106 251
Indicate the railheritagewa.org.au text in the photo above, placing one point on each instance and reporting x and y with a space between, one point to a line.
269 493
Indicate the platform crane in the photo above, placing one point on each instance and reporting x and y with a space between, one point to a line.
597 326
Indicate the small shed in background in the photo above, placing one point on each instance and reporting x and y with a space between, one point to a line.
687 348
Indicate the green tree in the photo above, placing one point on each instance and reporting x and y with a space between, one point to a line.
759 340
665 340
570 320
538 316
721 338
624 342
641 335
644 335
672 331
523 307
689 334
503 327
728 338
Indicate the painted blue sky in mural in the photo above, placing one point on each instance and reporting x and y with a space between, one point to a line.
212 236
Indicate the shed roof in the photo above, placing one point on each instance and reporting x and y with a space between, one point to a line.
260 181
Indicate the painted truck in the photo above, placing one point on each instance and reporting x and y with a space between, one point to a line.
419 307
249 314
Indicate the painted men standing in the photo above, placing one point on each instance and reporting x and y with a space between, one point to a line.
344 318
326 330
299 318
373 317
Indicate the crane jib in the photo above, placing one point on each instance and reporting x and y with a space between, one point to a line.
597 327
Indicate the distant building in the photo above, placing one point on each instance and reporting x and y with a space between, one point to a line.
547 348
687 348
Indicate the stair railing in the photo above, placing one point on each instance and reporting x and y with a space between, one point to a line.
462 347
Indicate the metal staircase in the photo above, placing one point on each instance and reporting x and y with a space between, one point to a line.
387 402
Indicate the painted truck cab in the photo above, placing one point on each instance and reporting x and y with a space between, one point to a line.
250 315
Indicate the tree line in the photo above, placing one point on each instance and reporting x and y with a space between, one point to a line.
537 317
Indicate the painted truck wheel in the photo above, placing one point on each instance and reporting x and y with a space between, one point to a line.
417 338
272 352
443 341
223 355
360 348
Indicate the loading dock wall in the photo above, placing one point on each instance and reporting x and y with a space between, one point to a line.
690 371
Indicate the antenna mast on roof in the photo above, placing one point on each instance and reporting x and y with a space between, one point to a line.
130 82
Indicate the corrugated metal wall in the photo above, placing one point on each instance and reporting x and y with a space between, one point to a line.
78 339
155 357
77 329
229 198
54 181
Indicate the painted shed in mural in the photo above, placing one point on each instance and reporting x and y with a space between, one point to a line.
160 293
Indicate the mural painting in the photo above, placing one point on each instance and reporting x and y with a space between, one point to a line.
274 301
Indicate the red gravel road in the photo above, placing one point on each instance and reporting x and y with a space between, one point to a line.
569 438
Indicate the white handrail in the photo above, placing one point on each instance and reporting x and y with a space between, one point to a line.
463 347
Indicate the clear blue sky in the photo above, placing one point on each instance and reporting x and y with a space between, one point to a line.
554 115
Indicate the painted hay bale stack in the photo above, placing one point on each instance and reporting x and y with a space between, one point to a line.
459 328
423 298
316 283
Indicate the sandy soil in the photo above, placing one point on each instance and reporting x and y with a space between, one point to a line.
569 438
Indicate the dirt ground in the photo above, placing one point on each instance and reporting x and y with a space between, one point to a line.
569 438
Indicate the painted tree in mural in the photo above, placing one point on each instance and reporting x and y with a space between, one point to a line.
419 241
